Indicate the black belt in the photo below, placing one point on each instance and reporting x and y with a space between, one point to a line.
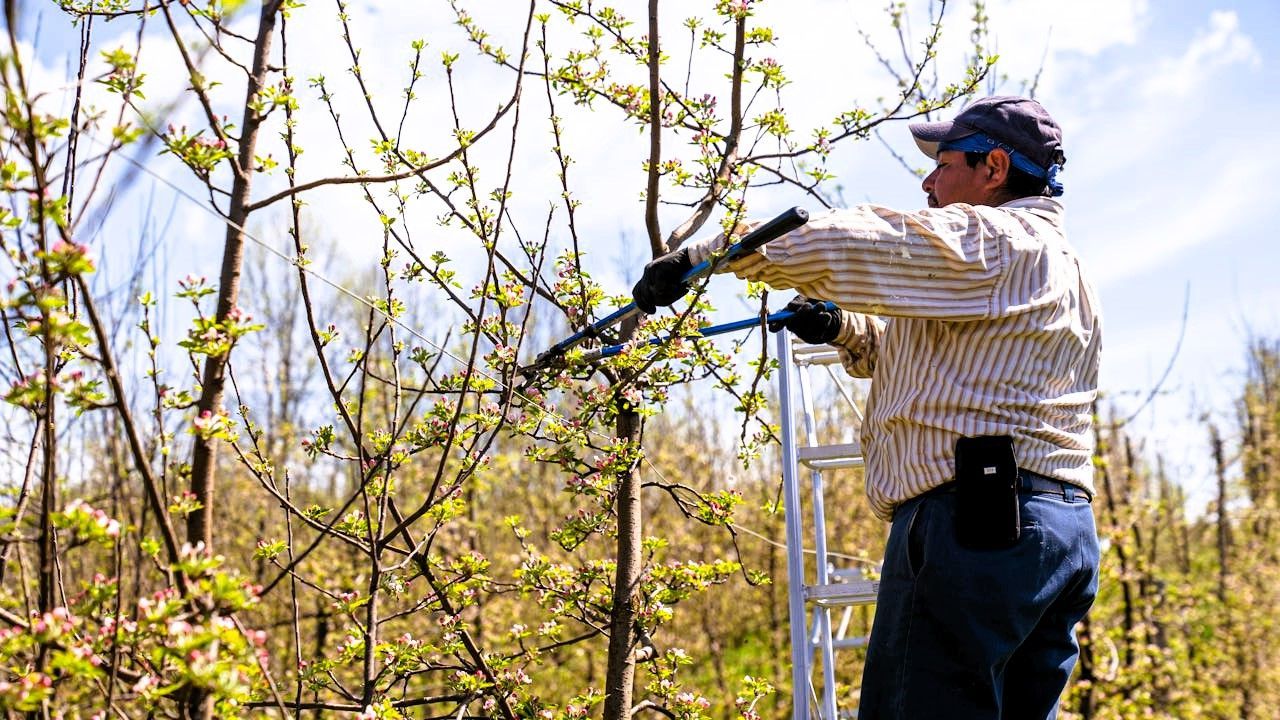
1036 483
1033 482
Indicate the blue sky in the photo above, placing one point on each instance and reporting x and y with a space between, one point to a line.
1165 108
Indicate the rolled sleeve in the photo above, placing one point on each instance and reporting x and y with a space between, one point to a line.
858 342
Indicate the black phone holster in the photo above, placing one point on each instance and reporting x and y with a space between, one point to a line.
987 484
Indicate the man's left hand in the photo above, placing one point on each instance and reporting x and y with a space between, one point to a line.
813 321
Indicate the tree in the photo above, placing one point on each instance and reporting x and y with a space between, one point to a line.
416 432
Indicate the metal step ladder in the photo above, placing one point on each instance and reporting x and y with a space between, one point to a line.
813 641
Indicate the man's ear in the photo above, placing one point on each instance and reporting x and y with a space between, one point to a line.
997 167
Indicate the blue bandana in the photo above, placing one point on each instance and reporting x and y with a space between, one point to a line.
979 143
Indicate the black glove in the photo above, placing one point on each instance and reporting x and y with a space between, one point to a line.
813 321
663 281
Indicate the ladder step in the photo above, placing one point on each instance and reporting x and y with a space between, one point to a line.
842 643
815 355
846 643
824 457
858 592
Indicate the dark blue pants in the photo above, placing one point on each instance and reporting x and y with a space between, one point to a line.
979 634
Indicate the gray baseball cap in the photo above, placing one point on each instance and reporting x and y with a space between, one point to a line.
1021 123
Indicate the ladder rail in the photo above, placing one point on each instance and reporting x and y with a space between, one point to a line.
810 606
818 492
800 656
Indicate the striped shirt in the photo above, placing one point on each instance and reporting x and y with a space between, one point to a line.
990 328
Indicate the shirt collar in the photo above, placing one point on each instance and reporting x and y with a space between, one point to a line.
1046 207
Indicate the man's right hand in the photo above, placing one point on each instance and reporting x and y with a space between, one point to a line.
813 321
663 281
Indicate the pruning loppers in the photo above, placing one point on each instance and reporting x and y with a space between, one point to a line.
773 229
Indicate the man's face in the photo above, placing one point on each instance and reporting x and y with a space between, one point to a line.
953 181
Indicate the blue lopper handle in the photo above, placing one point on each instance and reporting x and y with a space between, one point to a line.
611 350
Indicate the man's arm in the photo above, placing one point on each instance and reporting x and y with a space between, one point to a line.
945 263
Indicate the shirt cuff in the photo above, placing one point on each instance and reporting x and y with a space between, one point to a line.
701 251
851 326
859 342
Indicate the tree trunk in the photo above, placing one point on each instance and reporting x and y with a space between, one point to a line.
1224 536
622 665
213 375
620 676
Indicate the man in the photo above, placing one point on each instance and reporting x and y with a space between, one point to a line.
988 349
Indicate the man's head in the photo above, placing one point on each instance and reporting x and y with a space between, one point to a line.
997 149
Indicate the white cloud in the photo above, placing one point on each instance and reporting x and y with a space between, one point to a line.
1222 44
1042 43
1146 229
1082 26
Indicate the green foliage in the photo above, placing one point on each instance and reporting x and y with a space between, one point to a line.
201 154
430 528
124 78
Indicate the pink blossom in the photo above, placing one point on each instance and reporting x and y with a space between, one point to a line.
145 683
